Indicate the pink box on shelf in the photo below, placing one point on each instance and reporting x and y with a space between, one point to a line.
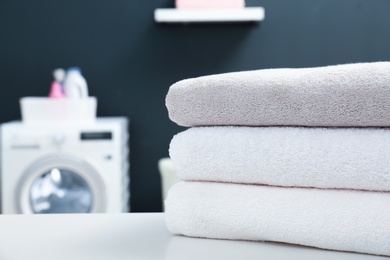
209 4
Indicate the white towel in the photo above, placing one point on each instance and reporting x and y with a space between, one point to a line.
348 158
342 220
343 95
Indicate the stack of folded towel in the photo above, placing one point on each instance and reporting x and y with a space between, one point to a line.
289 155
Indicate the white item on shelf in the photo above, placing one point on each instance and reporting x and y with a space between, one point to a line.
172 15
168 175
75 85
38 110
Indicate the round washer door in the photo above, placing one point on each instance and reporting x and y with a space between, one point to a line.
61 184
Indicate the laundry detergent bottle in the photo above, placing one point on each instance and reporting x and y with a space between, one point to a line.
75 85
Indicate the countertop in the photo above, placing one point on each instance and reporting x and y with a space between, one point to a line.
132 236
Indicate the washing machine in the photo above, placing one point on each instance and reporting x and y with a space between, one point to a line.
65 168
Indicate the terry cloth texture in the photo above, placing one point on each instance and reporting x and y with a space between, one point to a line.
351 95
348 158
345 220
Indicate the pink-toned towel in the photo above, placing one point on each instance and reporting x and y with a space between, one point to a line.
209 4
344 220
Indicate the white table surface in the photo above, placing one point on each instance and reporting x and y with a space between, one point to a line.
132 236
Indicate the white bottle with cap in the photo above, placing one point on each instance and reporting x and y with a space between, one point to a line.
75 85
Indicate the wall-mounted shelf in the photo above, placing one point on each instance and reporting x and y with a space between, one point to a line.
172 15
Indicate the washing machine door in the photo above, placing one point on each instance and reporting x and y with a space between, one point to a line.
61 184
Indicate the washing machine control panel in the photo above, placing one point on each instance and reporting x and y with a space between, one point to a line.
24 142
95 136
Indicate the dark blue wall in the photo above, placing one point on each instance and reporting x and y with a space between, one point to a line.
130 61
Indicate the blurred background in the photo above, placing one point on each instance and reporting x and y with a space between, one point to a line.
130 61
